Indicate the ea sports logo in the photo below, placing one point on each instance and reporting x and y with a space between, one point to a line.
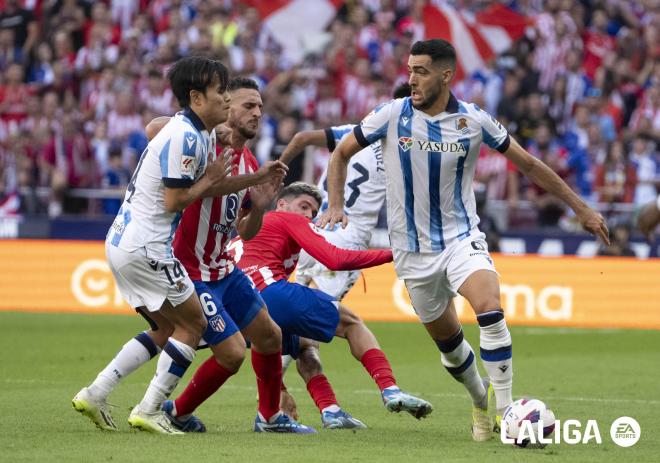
625 431
405 143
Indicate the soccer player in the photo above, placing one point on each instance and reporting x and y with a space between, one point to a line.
364 198
172 174
231 303
201 242
430 145
270 258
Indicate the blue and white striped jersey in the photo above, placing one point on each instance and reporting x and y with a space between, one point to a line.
175 158
364 191
429 167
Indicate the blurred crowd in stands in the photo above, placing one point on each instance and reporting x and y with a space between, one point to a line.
79 79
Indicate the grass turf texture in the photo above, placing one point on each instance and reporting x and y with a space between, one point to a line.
581 374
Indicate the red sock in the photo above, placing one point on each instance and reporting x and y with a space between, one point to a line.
207 379
268 369
379 368
321 391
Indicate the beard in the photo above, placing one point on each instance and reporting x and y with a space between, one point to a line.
432 96
247 133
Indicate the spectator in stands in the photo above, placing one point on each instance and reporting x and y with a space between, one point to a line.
9 52
645 159
547 149
21 22
616 176
70 164
620 242
593 71
116 177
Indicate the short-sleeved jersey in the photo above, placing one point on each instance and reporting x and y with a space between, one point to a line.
429 165
201 240
272 255
364 191
175 158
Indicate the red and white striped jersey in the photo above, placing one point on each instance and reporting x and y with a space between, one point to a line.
273 254
201 240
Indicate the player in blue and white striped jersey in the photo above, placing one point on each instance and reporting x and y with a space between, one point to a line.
173 173
430 145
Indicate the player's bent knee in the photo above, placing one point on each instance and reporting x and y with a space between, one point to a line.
486 305
232 355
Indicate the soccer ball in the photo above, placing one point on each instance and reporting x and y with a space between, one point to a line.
532 410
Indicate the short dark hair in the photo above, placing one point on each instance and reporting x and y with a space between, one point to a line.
438 49
401 91
242 82
301 188
195 73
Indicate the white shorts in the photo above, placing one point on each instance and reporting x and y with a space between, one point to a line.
145 282
336 284
433 279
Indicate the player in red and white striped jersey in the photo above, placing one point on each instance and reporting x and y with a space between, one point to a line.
206 226
231 303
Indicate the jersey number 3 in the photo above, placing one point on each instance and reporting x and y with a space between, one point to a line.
354 184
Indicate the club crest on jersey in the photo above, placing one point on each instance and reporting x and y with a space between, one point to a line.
217 324
405 143
461 125
180 286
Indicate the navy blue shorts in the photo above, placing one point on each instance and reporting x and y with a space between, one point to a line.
301 311
229 305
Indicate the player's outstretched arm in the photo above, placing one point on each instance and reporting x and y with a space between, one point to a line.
269 172
336 180
310 239
546 178
300 141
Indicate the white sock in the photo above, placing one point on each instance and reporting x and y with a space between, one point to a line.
332 409
496 355
286 361
132 355
173 362
458 358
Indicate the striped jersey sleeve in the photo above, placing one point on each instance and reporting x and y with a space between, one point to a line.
181 157
374 126
494 134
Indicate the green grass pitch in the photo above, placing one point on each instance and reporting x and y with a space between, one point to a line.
581 374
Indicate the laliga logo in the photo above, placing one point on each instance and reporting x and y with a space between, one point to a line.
538 434
625 432
93 286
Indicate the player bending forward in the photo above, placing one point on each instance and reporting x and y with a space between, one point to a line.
270 258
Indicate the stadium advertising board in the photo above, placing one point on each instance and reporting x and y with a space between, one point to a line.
67 276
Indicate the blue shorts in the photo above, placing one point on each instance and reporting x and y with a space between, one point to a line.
301 311
229 305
